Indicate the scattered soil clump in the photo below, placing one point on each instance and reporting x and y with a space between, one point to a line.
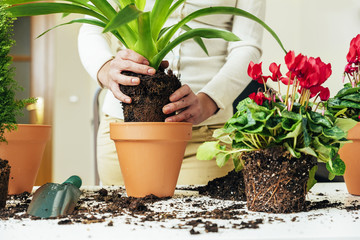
229 187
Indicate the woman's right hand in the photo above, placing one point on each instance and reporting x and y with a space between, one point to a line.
125 60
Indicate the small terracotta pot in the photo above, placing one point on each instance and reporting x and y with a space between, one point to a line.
24 151
350 153
150 155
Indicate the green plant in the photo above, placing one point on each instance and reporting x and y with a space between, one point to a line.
9 106
346 103
140 31
268 119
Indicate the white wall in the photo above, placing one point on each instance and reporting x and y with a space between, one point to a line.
317 28
72 128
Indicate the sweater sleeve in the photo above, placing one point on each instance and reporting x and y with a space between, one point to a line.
232 78
94 48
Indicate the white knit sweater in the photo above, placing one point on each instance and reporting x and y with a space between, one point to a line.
222 75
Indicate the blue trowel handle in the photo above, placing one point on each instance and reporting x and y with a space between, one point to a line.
74 180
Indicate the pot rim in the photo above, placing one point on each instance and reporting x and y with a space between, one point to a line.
170 131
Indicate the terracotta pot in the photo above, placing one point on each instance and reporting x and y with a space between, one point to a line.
150 155
24 152
350 153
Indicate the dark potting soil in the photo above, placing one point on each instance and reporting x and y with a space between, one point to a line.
149 97
4 181
275 181
228 187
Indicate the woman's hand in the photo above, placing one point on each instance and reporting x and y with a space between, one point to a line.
189 107
125 60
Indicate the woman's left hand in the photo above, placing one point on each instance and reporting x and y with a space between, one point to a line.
189 107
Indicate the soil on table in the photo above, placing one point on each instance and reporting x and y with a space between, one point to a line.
104 205
149 97
275 181
228 187
4 181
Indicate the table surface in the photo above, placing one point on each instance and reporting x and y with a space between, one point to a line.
327 223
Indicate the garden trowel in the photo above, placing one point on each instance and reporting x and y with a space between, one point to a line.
53 199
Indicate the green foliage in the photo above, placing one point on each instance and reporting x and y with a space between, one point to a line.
346 103
9 106
301 132
140 31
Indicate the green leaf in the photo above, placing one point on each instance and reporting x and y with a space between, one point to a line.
199 32
215 10
311 181
274 123
355 97
221 159
158 16
260 113
198 40
317 118
242 105
124 16
345 124
207 150
334 133
80 20
292 150
346 91
145 45
323 151
307 151
336 166
315 128
43 8
237 162
306 135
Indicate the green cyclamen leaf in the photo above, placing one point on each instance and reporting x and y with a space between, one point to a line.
336 166
334 133
311 181
315 128
221 159
317 118
346 91
207 150
345 124
352 97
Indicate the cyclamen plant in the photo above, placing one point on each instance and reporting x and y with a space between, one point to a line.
268 118
346 103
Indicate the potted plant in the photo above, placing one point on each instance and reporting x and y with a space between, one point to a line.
22 152
276 140
346 104
143 32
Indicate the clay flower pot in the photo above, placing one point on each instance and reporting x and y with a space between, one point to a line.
350 153
4 181
24 152
150 155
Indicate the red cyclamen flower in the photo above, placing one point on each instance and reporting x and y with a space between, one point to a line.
258 97
275 70
297 65
324 93
353 55
255 72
